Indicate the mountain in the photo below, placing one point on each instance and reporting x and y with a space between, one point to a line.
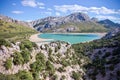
108 23
76 22
8 19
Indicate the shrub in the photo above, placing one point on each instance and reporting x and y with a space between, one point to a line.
8 64
26 56
62 77
111 67
50 68
75 75
26 44
17 58
107 54
35 75
39 65
4 42
61 69
8 77
24 75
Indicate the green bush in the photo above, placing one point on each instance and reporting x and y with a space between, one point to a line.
17 58
8 77
50 68
27 45
24 75
61 69
4 42
35 75
75 75
8 64
25 55
63 77
39 65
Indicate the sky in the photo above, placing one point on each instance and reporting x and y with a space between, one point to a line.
28 10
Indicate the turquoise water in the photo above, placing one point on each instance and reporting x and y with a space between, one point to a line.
71 38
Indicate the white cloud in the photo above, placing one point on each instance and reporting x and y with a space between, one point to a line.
115 19
57 14
49 9
79 8
13 4
40 4
17 12
41 7
32 3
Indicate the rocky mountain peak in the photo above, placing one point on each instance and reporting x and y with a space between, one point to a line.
78 16
109 23
94 19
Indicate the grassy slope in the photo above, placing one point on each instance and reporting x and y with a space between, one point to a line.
14 31
83 27
87 27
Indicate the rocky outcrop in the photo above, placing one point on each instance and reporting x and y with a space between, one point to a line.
112 33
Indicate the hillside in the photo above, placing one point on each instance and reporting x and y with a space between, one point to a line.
104 56
109 24
76 22
95 60
14 31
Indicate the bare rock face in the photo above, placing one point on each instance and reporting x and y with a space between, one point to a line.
56 22
112 33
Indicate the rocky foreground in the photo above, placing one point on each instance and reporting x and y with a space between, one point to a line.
95 60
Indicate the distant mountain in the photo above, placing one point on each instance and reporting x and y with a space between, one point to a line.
76 22
108 23
8 19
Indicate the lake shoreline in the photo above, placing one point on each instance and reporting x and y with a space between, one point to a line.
36 39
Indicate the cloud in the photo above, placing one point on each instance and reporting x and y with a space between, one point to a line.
57 14
32 3
17 12
49 9
79 8
40 4
41 7
115 19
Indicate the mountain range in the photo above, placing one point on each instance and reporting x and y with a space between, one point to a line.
75 22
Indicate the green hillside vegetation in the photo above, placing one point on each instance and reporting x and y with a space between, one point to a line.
13 31
86 27
111 59
81 27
